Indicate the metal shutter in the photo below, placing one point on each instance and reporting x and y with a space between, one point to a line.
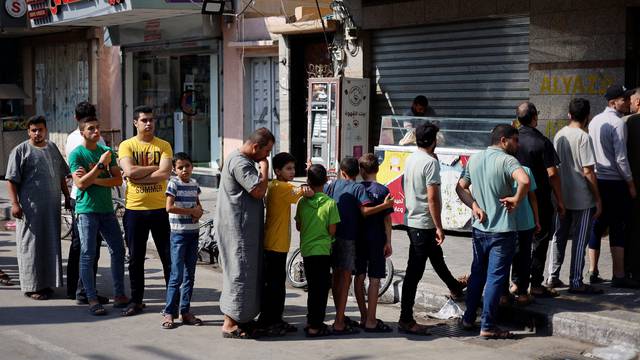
471 69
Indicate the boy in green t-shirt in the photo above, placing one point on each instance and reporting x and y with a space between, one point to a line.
316 219
95 172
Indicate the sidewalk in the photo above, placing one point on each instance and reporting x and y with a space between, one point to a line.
612 318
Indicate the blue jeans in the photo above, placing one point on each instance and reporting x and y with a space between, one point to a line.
492 255
184 255
89 225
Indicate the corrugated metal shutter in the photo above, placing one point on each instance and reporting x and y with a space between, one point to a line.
472 69
62 81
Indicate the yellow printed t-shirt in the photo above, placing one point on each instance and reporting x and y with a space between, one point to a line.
145 196
277 229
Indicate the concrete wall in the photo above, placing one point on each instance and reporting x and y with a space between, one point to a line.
109 99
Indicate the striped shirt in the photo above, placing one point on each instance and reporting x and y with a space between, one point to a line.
185 197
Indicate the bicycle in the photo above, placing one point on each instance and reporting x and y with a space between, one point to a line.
207 246
297 279
66 216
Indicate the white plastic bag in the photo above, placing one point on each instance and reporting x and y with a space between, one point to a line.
450 310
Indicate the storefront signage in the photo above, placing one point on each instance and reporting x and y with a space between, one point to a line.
15 8
54 7
572 84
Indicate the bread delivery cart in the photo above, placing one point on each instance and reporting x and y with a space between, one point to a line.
458 139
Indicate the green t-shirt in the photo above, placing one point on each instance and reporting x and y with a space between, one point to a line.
94 199
490 174
314 215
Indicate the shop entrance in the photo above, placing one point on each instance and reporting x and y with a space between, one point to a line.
178 88
265 97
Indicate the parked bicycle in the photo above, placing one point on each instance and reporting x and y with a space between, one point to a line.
207 246
297 278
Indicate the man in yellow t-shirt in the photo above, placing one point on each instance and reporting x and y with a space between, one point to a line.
277 238
146 162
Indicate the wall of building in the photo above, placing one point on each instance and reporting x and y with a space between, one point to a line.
109 100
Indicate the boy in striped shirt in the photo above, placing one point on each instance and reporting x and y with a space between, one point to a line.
184 211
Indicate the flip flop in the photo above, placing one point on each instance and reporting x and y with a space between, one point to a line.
497 334
348 330
407 328
131 309
191 320
238 333
324 330
380 327
97 310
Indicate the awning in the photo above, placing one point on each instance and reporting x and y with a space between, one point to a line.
12 92
277 25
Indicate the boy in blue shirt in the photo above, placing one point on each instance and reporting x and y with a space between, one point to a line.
183 206
352 202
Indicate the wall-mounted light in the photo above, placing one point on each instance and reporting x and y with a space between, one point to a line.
213 7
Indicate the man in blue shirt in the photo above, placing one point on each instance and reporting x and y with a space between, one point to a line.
492 201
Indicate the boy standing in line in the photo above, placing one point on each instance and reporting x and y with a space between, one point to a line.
277 239
373 248
316 219
183 206
352 202
95 172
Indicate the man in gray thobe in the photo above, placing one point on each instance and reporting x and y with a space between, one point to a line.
240 232
36 174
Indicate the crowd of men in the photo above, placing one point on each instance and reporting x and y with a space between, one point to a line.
527 194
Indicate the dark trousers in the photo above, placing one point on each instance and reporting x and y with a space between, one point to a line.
540 243
137 224
74 284
318 272
273 290
521 269
423 246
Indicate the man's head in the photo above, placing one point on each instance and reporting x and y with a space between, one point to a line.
90 129
368 164
420 105
259 144
349 168
527 114
316 176
617 98
143 120
37 128
505 137
634 100
579 110
284 165
182 165
85 109
426 135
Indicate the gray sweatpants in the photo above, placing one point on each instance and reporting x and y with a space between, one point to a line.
578 223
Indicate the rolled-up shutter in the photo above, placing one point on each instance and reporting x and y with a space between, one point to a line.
471 69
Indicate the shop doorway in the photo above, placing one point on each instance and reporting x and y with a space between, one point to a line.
178 88
265 96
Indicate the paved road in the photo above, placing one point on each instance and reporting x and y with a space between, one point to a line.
59 329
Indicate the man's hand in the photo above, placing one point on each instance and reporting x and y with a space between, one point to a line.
16 211
80 172
196 213
510 202
478 213
105 158
264 164
537 229
598 210
307 191
387 250
439 236
561 209
388 201
632 189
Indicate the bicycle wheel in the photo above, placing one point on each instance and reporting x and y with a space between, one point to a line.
385 282
295 270
66 218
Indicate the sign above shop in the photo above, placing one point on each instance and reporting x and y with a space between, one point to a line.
16 8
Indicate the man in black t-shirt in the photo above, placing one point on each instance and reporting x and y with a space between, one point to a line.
537 152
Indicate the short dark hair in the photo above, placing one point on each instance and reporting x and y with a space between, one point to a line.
350 166
502 131
421 100
82 122
262 137
579 109
316 175
35 120
280 160
369 163
142 109
525 113
181 156
85 109
426 134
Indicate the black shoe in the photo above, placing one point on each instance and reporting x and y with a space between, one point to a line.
594 277
625 283
82 300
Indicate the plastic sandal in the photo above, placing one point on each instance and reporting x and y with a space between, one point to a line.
408 328
324 330
380 327
97 310
497 334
